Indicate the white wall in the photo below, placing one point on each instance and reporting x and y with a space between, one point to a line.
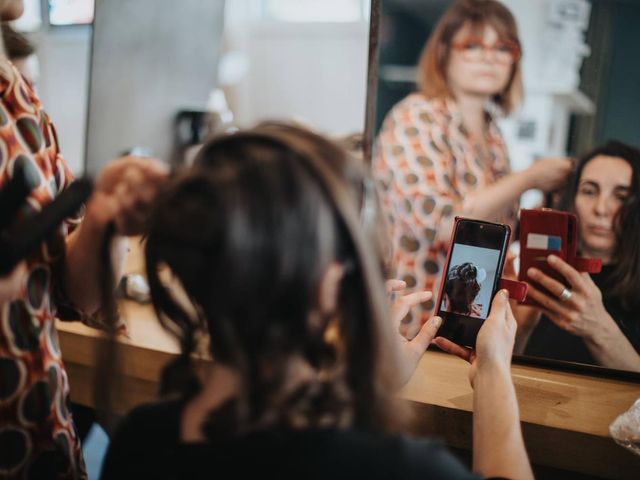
314 72
63 86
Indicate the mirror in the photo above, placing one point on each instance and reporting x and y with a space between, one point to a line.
580 82
242 62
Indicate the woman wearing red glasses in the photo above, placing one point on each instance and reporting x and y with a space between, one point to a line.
440 153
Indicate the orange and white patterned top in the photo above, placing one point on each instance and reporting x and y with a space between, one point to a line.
37 435
425 164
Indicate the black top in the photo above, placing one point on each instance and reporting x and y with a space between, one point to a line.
550 341
147 445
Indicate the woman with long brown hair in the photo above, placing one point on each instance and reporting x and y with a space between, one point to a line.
286 290
596 320
440 153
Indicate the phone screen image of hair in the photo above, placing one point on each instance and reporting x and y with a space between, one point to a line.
470 279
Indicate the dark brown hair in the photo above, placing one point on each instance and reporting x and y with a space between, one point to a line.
432 66
248 234
462 287
624 282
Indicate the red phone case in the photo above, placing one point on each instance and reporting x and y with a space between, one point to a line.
559 231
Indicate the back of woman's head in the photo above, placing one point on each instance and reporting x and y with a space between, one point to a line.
249 234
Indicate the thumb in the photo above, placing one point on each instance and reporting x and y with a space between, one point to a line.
427 333
499 305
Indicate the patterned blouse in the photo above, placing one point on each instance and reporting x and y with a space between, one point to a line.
37 435
425 164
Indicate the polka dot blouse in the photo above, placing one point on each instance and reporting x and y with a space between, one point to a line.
37 436
425 164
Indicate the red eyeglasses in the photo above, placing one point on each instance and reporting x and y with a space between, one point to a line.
474 49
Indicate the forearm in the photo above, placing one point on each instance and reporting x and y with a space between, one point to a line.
488 202
612 349
83 265
498 447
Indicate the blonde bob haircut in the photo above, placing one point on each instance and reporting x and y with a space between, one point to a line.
432 66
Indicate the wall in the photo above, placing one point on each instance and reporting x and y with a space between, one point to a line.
63 86
313 72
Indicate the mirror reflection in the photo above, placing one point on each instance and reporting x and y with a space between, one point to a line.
485 107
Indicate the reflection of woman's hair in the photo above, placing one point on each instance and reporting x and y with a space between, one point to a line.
462 287
624 282
248 234
432 67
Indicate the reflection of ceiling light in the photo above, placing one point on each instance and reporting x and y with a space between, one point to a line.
233 67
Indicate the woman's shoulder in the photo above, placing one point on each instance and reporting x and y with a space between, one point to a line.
155 423
145 417
144 433
428 109
404 456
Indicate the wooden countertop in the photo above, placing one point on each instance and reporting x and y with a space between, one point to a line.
566 416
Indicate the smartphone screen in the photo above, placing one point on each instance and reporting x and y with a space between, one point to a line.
473 272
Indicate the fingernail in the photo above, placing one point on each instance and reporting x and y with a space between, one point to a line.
437 321
504 293
551 258
532 271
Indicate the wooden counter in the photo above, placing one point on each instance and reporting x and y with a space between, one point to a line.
565 416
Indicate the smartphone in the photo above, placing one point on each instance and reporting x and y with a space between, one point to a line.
472 273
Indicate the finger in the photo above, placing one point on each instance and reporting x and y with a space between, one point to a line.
559 320
551 284
395 285
511 320
448 346
426 334
567 271
414 326
499 306
546 301
416 298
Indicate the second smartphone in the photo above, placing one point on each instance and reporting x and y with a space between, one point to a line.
471 278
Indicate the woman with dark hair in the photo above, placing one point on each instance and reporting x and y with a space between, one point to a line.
461 289
278 279
440 152
597 319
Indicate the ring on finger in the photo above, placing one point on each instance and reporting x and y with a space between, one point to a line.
565 295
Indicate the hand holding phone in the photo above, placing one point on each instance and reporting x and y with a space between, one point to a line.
471 278
545 232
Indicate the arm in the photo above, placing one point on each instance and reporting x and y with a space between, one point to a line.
123 193
81 277
583 314
498 446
